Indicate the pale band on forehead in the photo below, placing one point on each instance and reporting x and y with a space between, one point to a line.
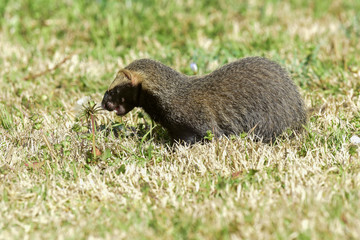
116 82
134 77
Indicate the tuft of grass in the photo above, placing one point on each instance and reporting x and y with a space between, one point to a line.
6 119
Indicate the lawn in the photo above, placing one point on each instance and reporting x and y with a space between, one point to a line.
134 184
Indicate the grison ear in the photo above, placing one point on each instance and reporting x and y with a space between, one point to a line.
134 77
126 75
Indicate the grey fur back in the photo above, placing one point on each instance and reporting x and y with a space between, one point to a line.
251 94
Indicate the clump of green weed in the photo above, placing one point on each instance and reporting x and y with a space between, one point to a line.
88 114
6 119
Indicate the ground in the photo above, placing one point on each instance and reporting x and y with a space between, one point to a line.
135 184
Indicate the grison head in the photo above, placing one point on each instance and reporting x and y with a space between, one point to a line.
123 93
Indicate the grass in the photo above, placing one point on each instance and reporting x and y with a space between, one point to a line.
55 186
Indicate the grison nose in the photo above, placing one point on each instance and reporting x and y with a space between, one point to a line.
105 101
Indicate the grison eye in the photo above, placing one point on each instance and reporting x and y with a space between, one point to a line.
122 100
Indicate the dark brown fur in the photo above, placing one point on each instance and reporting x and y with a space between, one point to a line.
251 94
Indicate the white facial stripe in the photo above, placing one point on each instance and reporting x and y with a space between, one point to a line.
116 82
